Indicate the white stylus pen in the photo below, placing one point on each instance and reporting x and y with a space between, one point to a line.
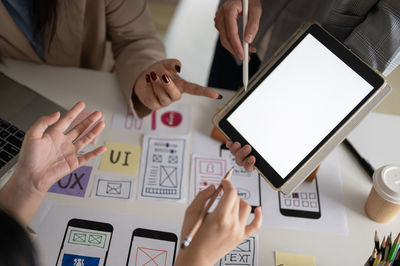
245 45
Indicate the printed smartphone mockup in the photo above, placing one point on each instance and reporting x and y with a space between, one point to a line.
150 247
303 202
247 184
85 243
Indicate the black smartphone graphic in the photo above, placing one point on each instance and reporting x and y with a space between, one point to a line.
151 247
85 243
247 184
303 202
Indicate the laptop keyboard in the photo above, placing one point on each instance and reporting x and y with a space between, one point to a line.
11 139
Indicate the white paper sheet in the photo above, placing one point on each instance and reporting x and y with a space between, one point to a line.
246 254
117 188
51 231
163 168
333 211
208 170
171 119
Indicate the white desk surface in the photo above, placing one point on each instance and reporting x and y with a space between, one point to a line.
99 90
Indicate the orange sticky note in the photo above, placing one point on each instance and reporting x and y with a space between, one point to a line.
121 158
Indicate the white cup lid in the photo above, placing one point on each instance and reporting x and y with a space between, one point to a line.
387 183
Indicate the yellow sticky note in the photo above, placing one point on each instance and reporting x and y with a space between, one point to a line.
291 259
121 158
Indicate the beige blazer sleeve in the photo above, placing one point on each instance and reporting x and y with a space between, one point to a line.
135 44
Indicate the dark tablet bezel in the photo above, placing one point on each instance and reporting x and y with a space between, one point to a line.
341 52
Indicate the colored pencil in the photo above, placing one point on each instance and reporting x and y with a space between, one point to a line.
393 250
383 245
390 241
377 260
376 240
204 213
387 248
372 258
397 260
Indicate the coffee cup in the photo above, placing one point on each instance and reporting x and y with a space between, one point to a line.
383 203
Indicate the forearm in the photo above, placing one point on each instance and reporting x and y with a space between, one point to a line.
19 201
135 44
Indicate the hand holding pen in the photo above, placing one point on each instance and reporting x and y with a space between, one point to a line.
221 230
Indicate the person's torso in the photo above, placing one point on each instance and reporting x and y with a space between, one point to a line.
79 41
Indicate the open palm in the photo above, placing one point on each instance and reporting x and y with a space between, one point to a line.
48 154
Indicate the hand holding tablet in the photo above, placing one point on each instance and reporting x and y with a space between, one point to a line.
300 106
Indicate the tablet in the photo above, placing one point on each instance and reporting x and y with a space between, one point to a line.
301 105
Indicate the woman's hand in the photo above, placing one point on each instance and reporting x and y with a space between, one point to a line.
226 23
160 85
242 155
222 230
48 154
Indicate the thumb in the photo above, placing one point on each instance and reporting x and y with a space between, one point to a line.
40 126
253 22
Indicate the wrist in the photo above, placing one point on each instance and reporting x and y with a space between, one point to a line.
20 198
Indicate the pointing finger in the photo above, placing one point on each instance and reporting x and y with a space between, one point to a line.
195 89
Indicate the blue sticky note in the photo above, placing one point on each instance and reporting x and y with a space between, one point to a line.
78 260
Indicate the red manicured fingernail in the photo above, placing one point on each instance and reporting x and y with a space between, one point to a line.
219 97
165 78
178 68
147 78
153 76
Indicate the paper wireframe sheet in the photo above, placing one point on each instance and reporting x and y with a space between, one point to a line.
173 119
163 170
51 229
332 207
107 187
245 254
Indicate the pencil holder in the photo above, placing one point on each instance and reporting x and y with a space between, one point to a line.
383 202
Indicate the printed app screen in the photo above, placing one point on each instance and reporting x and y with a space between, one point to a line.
84 247
304 198
298 105
150 251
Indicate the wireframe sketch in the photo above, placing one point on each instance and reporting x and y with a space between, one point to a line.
150 257
171 119
85 243
112 187
303 202
243 255
162 168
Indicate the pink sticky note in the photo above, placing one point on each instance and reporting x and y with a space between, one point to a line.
82 116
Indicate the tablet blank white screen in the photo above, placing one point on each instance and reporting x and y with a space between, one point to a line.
298 104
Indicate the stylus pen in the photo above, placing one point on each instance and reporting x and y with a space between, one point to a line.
245 45
204 213
364 163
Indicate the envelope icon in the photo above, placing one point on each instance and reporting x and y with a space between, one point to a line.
150 257
168 176
95 239
79 237
114 188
